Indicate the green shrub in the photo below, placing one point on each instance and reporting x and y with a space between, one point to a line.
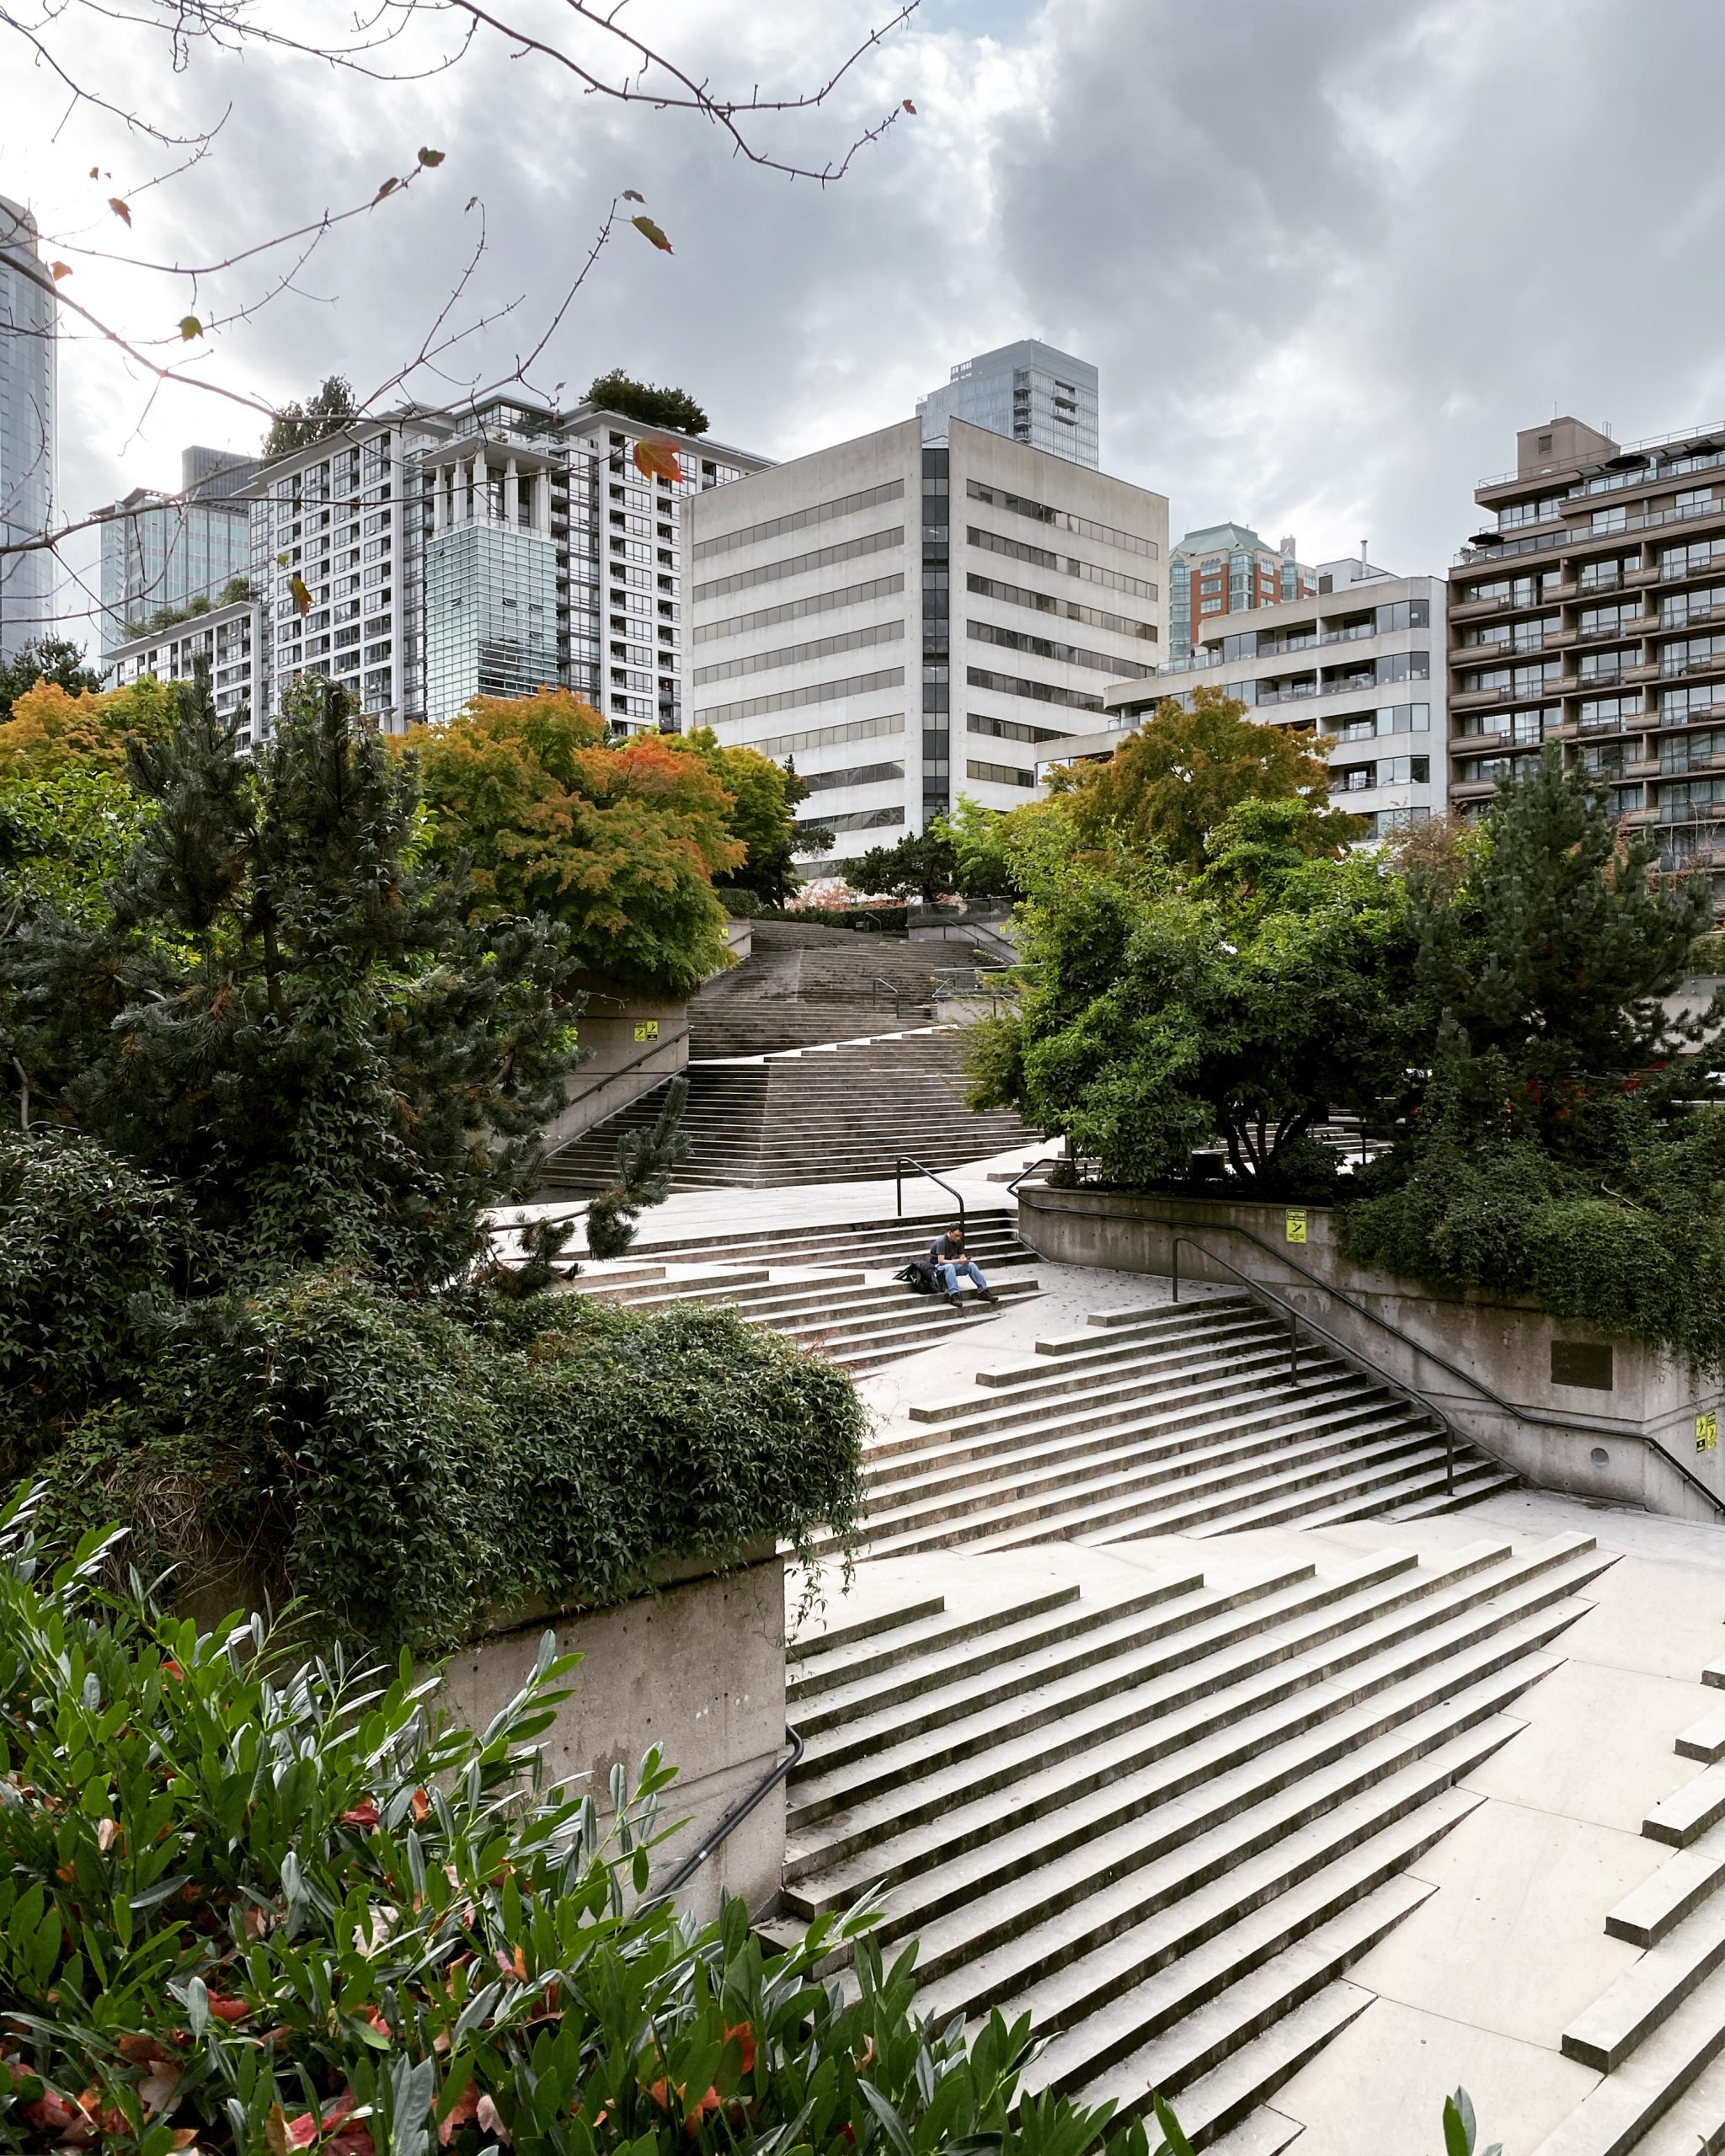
251 1909
413 1468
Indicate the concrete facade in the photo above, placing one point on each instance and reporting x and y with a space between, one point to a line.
909 624
1645 1414
226 637
1352 667
697 1669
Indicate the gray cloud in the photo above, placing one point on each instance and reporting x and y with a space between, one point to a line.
1328 259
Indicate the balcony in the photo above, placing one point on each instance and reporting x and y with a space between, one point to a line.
1674 670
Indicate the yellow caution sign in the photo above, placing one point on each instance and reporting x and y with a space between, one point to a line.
1296 1223
646 1029
1707 1432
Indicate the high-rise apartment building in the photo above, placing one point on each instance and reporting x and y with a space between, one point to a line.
486 551
1226 568
1029 391
28 438
1351 665
163 550
1591 611
908 622
225 637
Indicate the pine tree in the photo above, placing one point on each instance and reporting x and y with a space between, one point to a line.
289 1017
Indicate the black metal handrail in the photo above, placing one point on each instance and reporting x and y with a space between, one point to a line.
733 1819
1532 1416
892 989
905 1161
1295 1317
623 1070
1044 1160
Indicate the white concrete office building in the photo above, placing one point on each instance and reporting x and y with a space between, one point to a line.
1352 664
907 624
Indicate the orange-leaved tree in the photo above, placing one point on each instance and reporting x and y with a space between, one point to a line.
1169 784
49 728
618 841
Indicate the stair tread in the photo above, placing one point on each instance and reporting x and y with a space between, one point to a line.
1662 1900
1686 1814
1648 1991
1611 2118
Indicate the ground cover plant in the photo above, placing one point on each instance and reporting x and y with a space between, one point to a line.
253 1904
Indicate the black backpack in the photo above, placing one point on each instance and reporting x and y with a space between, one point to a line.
920 1277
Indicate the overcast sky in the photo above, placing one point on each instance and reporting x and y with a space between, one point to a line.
1327 257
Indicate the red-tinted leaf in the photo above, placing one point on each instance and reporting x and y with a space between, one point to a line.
227 2009
489 2120
59 269
422 1807
658 460
462 2112
909 107
631 194
119 208
649 230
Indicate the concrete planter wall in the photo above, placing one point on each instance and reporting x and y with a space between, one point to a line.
697 1669
1645 1408
635 1042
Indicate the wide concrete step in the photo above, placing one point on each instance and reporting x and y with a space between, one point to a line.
1613 2117
1649 1992
1688 1813
1676 1891
819 1666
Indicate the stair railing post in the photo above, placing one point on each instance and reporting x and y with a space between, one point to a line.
1293 1352
1177 1269
899 1186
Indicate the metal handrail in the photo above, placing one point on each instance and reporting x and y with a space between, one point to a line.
1045 1161
733 1819
905 1161
1295 1318
892 989
1530 1415
623 1069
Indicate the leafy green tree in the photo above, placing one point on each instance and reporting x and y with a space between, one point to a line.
64 834
325 413
1159 1021
762 817
44 659
923 864
286 1013
1171 783
617 842
652 406
982 849
50 727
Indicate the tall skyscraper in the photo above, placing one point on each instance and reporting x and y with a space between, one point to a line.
161 552
1029 391
1226 568
909 622
28 443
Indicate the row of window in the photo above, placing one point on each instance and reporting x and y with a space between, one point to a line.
795 654
774 527
797 610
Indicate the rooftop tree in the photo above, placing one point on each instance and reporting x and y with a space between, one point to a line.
644 401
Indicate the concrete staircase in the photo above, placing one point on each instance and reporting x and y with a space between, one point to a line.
1172 1419
1657 2035
1165 1814
836 1114
829 1288
794 998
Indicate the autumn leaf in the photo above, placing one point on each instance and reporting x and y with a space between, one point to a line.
107 1832
431 157
389 187
633 195
422 1807
649 230
119 208
227 2009
363 1813
302 604
95 172
59 269
659 461
281 561
910 108
490 2120
189 327
464 2110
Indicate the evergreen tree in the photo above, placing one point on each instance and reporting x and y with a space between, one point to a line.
298 426
44 659
287 1016
645 401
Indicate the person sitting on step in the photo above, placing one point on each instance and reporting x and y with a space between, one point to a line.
949 1258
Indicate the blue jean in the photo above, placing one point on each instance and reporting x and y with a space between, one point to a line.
949 1274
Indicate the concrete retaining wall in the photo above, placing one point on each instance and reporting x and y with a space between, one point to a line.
1646 1413
618 1027
698 1670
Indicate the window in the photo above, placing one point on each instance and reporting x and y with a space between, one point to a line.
1606 713
1061 520
1609 520
1065 654
1514 515
891 677
1011 729
800 564
1014 684
855 775
1000 774
793 654
799 519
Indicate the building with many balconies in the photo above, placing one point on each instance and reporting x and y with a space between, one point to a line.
1351 665
1591 611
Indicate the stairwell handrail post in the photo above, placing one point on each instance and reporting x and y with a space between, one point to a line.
733 1819
1296 1318
905 1161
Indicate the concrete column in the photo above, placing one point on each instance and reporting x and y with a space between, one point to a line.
511 494
542 502
437 507
482 500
